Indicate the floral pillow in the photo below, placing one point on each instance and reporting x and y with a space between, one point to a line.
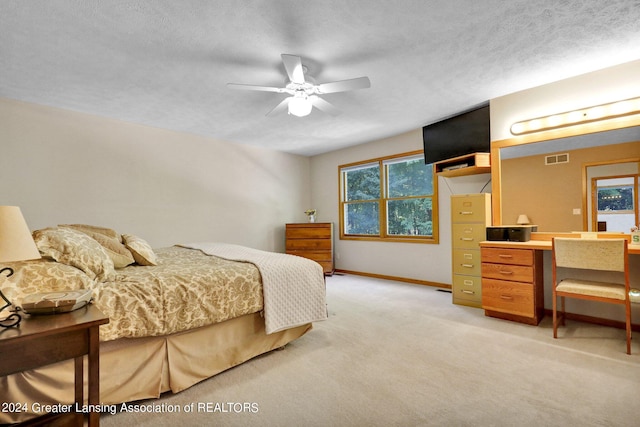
76 249
109 240
42 275
140 249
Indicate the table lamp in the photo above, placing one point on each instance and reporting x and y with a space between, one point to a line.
523 219
16 244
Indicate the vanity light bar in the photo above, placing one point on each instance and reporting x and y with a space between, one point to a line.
577 117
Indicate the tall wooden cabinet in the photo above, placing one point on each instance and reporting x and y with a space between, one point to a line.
313 241
470 216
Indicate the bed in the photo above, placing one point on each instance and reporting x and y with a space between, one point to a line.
178 315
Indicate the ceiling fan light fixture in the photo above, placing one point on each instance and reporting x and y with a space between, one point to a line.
300 106
303 89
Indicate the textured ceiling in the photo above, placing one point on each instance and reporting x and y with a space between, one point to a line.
165 63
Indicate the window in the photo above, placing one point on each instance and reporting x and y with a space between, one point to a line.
391 198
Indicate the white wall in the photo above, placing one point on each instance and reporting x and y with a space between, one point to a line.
428 262
599 87
168 187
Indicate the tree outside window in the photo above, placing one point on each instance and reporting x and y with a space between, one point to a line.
388 199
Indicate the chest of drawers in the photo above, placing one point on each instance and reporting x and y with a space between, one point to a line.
313 241
512 284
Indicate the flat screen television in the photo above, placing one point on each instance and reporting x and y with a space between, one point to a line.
466 133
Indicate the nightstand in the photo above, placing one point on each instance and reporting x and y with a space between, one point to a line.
46 339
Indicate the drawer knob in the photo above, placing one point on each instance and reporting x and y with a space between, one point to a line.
505 272
506 297
505 256
467 239
467 265
466 213
464 291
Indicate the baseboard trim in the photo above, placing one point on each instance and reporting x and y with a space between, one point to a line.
595 320
395 278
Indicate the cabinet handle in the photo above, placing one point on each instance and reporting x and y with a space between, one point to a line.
466 212
506 297
505 256
467 239
464 291
505 272
467 265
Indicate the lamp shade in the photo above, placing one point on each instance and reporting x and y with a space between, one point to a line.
523 219
16 243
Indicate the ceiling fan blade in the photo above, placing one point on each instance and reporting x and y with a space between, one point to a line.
323 105
255 87
293 66
344 85
280 107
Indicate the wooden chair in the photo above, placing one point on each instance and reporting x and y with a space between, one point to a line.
609 255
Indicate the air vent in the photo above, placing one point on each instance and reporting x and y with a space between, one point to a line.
556 159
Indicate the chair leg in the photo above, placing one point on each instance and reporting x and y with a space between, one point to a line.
628 316
562 311
555 316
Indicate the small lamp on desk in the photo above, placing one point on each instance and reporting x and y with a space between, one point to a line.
523 219
16 244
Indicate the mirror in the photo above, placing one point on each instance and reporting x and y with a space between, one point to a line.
547 180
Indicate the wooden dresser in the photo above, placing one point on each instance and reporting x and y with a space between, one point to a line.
470 216
313 241
512 283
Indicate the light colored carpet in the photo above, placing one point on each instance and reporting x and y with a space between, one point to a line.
395 354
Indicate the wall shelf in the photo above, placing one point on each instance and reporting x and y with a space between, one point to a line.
470 164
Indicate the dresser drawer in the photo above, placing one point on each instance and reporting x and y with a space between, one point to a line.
311 231
467 288
508 256
467 235
516 273
508 297
309 244
318 256
466 261
470 208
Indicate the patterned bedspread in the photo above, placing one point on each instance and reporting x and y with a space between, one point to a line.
186 290
293 287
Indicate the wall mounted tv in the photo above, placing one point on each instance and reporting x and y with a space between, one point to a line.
466 133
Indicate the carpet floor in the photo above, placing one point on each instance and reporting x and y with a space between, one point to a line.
396 354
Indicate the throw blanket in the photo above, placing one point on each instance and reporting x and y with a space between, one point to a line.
293 287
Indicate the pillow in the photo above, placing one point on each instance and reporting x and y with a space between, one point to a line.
94 229
75 249
118 253
42 275
140 249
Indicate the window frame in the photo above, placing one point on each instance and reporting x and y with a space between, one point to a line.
384 199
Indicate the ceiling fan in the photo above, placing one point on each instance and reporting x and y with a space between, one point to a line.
304 91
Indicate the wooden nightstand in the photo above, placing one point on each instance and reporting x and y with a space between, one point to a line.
43 340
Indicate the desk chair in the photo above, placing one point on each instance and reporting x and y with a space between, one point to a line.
572 254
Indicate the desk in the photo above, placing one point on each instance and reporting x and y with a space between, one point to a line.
519 294
42 340
543 245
